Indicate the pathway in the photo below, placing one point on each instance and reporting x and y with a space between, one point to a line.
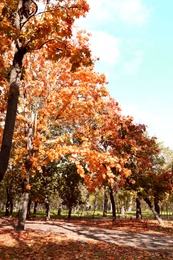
151 242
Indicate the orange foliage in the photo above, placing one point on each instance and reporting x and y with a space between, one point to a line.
66 103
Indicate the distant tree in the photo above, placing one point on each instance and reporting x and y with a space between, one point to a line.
69 185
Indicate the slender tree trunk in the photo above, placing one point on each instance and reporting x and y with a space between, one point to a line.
154 211
47 205
95 206
35 207
138 209
105 203
7 211
11 206
29 208
69 212
25 197
59 209
87 205
113 203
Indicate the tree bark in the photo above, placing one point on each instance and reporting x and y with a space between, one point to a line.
13 94
29 208
23 211
105 203
7 210
138 209
47 209
69 212
35 207
154 211
156 206
11 112
9 204
59 209
113 203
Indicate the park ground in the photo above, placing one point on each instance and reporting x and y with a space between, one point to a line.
55 240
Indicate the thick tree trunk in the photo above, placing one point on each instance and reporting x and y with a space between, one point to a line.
113 203
154 211
156 206
21 17
13 95
23 211
105 203
23 205
138 209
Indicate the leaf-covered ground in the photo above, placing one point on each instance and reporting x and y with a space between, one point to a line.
130 225
32 245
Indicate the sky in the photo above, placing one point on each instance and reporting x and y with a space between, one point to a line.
134 41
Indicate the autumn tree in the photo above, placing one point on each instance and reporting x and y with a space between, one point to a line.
61 108
152 181
44 186
69 185
130 143
24 29
27 30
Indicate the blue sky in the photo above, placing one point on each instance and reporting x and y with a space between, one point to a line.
134 40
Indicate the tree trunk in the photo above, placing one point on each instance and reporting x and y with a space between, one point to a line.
9 204
29 208
7 211
87 205
23 211
69 212
154 211
11 110
138 209
113 203
59 209
105 203
35 207
21 16
156 206
23 205
47 209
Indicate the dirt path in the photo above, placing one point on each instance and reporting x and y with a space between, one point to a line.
150 242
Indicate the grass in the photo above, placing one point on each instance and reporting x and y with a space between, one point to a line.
147 214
